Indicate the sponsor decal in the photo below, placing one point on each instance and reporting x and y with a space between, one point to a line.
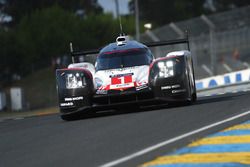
141 86
121 81
124 85
103 92
121 69
73 98
66 104
176 86
170 87
165 87
179 91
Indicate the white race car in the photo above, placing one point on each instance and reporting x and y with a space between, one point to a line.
125 72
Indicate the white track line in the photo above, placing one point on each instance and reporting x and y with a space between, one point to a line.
18 118
164 143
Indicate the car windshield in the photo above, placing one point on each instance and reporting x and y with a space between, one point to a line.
123 58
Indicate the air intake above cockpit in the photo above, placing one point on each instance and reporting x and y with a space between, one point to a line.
121 40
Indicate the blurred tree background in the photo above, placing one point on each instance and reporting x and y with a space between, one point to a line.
160 12
41 30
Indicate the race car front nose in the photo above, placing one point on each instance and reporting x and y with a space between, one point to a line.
75 88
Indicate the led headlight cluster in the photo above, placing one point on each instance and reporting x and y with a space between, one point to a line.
166 69
74 81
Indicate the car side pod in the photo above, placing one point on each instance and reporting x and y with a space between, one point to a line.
168 78
75 89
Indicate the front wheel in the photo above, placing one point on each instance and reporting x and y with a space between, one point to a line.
77 116
69 117
194 97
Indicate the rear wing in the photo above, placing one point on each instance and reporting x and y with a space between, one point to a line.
169 42
149 44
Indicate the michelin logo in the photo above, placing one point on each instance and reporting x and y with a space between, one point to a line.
230 78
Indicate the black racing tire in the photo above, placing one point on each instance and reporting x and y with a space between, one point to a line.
85 113
194 97
192 100
78 115
69 117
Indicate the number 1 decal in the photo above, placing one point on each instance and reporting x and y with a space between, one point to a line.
121 80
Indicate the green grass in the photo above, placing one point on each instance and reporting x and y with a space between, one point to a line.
38 112
39 89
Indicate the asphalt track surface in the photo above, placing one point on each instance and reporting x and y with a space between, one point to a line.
109 136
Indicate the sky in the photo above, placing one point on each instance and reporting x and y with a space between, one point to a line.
109 6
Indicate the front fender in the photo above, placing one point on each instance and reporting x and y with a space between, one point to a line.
174 84
75 89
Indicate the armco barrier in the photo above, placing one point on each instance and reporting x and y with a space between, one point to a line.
226 79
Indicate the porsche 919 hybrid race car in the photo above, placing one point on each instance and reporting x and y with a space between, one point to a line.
126 74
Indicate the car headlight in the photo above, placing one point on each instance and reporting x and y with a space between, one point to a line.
75 80
166 69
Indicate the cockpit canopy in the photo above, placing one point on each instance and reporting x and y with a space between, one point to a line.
123 58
